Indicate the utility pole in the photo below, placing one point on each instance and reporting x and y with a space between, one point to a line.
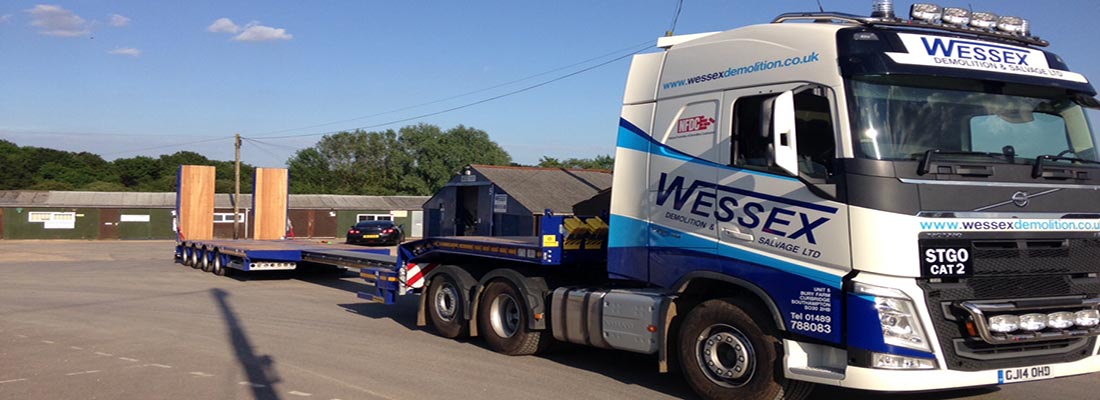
237 187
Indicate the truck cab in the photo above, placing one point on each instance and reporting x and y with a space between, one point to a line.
906 205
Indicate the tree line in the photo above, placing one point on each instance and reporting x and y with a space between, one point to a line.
413 160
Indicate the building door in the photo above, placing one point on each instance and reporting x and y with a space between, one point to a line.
415 230
108 224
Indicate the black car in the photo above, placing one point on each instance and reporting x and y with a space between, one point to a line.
376 232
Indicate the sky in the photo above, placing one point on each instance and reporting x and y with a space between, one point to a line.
134 77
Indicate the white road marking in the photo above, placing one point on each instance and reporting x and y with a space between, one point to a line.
159 365
48 342
12 380
100 353
255 385
82 372
76 348
128 359
297 393
201 374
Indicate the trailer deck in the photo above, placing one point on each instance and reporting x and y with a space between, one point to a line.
271 255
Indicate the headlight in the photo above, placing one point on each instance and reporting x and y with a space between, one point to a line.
984 20
925 12
898 317
1014 25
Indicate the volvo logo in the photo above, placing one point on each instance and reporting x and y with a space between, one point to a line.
1020 199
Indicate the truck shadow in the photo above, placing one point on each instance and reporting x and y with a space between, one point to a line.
828 393
260 369
629 368
403 312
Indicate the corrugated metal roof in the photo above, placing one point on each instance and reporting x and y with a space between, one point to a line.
30 198
538 189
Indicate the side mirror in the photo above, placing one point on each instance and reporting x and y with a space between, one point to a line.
784 142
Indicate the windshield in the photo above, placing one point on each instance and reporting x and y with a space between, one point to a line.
901 118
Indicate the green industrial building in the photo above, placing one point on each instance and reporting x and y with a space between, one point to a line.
135 215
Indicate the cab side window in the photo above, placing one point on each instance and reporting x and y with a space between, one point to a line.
752 133
814 130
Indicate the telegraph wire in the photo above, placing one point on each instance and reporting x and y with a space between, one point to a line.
675 18
497 86
471 104
166 146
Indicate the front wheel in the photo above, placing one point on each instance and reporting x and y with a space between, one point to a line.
502 319
724 353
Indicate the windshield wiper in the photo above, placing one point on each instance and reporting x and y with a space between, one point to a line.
1038 172
925 165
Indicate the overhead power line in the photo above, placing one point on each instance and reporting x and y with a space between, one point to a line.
473 92
167 146
471 104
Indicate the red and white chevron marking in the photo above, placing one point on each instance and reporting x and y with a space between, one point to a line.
415 274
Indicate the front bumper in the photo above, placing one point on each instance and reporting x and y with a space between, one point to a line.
939 379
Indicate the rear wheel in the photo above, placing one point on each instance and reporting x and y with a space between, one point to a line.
194 257
205 262
446 308
724 353
185 255
217 268
502 319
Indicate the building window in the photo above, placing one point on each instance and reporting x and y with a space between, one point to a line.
373 217
227 218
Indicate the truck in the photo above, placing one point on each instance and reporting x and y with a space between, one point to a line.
871 202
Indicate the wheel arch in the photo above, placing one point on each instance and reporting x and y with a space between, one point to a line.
462 278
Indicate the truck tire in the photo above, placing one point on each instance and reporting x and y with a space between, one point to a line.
446 308
185 256
194 257
205 263
729 350
502 319
218 268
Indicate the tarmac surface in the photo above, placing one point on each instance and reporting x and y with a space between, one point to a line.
122 320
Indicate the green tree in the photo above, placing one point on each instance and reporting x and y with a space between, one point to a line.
604 162
415 160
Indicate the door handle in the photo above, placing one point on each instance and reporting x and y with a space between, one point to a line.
736 234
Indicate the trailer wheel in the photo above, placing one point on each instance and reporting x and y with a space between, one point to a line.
446 307
217 268
206 263
502 316
194 257
724 353
185 255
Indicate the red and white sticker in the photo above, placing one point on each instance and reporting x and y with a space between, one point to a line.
414 274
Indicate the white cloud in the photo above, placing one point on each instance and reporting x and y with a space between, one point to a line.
5 18
126 51
254 32
119 21
57 21
223 25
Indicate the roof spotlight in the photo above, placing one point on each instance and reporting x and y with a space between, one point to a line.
984 20
926 12
1014 25
956 16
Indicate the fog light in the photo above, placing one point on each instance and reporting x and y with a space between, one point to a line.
1087 318
1033 322
956 16
891 361
1004 323
1060 320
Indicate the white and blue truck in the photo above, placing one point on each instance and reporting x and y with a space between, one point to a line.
881 203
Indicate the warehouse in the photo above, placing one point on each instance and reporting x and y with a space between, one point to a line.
26 214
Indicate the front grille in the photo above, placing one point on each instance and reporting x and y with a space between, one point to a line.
1013 269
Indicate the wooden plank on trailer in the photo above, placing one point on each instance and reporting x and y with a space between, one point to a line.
270 197
195 202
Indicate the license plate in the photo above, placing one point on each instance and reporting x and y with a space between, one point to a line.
946 259
1013 375
370 236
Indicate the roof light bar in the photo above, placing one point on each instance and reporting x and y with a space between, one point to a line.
956 16
926 12
984 20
